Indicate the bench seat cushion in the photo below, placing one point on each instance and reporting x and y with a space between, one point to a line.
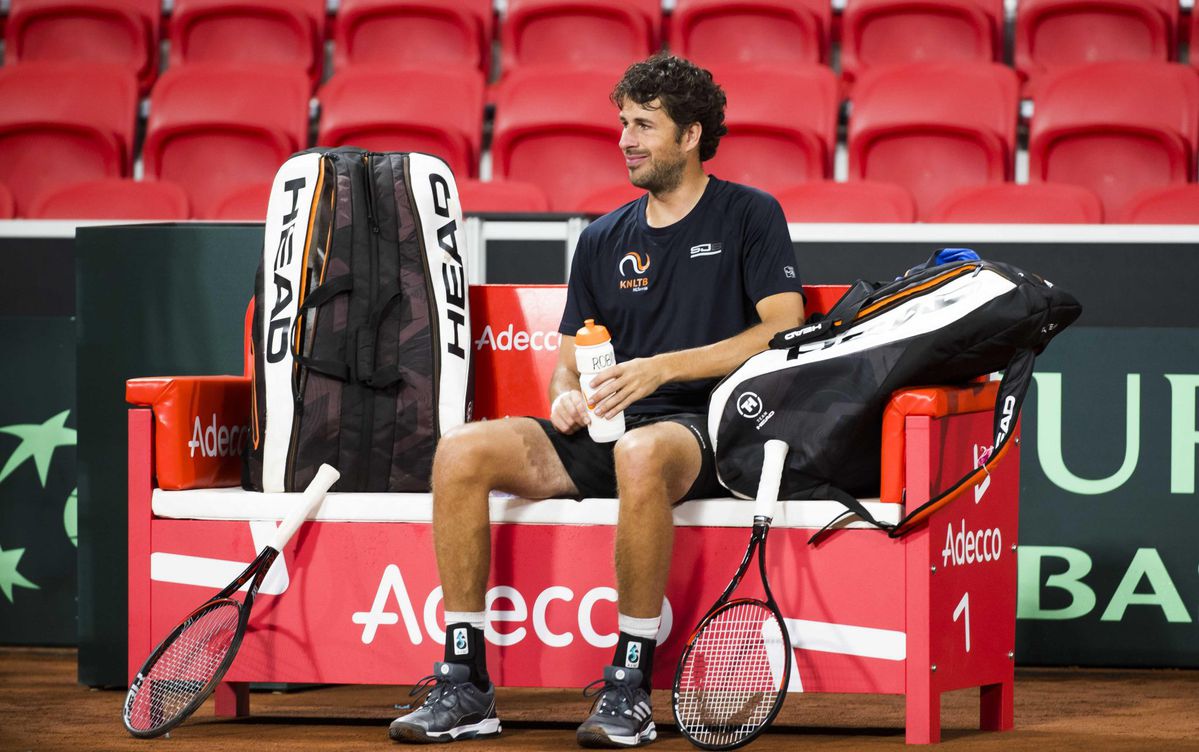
236 504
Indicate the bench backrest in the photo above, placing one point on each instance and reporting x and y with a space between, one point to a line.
515 333
202 420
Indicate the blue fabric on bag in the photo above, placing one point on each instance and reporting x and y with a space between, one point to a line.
950 255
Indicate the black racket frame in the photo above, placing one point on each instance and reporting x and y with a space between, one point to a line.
757 540
256 570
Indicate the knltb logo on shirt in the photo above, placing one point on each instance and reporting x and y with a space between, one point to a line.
632 268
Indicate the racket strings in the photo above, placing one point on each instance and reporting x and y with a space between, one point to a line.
732 677
185 668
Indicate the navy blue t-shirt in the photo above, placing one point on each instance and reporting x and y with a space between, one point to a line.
692 283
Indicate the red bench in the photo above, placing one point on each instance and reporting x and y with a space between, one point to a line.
921 615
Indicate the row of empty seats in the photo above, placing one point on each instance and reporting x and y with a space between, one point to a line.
823 201
1049 34
1116 129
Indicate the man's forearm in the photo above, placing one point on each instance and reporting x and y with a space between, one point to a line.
562 380
719 358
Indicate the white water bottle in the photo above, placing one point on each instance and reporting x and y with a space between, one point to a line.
594 353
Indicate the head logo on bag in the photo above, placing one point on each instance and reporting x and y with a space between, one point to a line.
280 327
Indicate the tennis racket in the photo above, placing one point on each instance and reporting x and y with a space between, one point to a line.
732 677
186 667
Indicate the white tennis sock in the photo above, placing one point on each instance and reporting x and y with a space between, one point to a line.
473 618
646 629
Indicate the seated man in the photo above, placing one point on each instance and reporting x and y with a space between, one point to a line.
715 278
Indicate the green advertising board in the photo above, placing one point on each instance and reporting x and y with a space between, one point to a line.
38 499
1109 565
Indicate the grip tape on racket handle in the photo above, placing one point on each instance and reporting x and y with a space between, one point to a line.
774 454
326 476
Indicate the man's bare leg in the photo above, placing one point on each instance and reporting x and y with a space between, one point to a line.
512 455
655 466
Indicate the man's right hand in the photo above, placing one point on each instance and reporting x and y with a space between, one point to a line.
569 412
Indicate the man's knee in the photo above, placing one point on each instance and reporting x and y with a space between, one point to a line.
645 456
468 450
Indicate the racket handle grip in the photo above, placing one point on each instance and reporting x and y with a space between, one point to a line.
774 454
326 476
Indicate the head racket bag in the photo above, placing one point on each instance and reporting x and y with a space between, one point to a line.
361 334
822 387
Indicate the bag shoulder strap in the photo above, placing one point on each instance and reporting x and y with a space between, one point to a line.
1012 390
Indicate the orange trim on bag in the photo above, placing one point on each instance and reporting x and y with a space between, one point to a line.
913 290
312 211
968 482
254 433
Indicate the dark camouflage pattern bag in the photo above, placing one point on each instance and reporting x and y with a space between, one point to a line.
361 322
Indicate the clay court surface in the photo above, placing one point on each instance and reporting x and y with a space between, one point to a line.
43 708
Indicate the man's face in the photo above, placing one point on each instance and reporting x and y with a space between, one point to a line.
652 146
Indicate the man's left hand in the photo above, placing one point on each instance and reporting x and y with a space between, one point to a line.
623 384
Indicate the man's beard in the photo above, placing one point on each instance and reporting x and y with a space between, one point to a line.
661 177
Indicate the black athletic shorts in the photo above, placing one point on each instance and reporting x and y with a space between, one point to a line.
593 469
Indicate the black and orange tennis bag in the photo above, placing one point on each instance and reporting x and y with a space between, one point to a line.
823 387
361 330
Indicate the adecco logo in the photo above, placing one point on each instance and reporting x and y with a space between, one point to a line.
505 605
510 339
215 440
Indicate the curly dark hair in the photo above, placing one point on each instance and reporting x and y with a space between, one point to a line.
686 91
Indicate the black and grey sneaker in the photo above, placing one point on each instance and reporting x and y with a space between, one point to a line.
454 708
621 715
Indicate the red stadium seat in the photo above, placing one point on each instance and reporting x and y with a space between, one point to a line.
64 122
558 130
1193 38
113 199
782 125
1116 128
1007 203
862 201
1173 205
934 128
890 32
1055 34
386 109
414 33
212 127
122 32
257 32
782 32
6 204
609 198
498 196
608 34
244 203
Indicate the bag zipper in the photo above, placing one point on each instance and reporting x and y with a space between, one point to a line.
300 376
368 399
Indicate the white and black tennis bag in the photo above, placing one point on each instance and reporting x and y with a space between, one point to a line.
361 329
823 387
